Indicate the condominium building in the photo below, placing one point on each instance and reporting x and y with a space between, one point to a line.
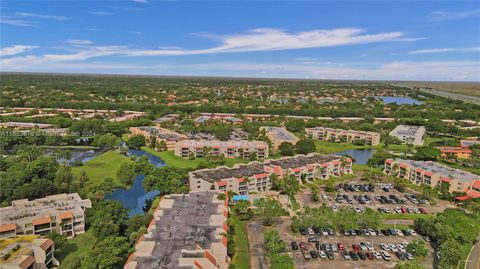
187 231
409 134
256 176
469 141
223 117
24 125
27 251
456 153
159 134
340 135
430 173
278 135
229 149
61 213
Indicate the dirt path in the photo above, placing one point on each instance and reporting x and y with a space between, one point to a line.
258 258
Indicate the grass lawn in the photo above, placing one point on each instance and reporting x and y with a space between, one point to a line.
76 248
103 166
175 161
406 216
241 259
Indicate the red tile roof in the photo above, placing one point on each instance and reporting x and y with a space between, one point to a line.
8 227
210 257
66 215
476 184
389 161
43 220
45 245
257 176
27 262
222 183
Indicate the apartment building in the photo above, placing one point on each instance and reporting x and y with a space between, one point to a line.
160 134
430 173
456 153
61 213
24 125
229 149
27 251
469 141
409 134
222 117
187 231
256 177
340 135
278 135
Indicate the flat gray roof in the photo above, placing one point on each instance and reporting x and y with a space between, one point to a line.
184 226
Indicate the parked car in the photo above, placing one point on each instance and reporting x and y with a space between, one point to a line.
302 230
330 255
310 231
294 246
355 247
322 255
362 255
400 255
346 255
313 254
377 255
409 256
341 247
312 240
303 246
306 254
385 255
370 255
324 232
353 255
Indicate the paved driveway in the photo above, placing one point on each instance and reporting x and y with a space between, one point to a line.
258 258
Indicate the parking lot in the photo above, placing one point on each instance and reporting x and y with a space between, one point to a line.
383 198
347 241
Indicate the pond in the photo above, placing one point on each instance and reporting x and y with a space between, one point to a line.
82 156
134 198
361 156
399 100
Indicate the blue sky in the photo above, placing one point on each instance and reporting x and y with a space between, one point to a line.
404 40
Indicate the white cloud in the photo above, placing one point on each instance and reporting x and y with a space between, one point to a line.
16 21
437 16
444 50
100 13
140 1
41 16
17 49
79 41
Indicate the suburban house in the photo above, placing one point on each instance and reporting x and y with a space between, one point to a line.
61 213
187 231
430 173
229 149
256 176
340 135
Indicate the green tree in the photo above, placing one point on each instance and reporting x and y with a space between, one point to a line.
63 178
107 141
59 240
136 142
427 153
286 149
110 252
126 173
268 210
305 146
449 254
417 247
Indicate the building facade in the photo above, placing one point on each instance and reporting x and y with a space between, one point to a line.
229 149
27 251
159 134
61 213
456 153
187 231
340 135
430 173
257 177
409 134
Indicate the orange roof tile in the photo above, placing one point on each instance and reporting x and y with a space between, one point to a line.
8 227
43 220
66 215
27 262
45 245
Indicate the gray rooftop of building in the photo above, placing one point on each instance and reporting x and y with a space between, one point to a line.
182 227
300 161
407 130
213 175
435 167
159 134
280 133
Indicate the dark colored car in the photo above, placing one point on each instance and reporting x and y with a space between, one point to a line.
330 255
353 255
370 255
312 240
294 246
362 255
302 230
314 254
400 255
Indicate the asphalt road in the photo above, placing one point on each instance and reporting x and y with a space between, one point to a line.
474 258
258 258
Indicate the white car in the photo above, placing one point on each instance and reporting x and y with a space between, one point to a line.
387 210
377 255
412 232
322 255
392 247
397 210
334 208
310 231
385 255
358 209
369 246
399 232
372 231
405 243
409 256
384 246
401 247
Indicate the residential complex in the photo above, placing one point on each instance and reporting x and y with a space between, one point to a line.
229 149
409 134
187 231
430 173
160 134
456 153
61 213
340 135
27 251
256 176
470 141
278 135
24 125
223 117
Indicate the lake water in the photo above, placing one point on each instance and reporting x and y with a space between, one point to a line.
399 100
134 198
81 155
361 156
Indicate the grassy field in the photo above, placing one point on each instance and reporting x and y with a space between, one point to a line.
175 161
465 88
241 259
76 248
405 216
103 166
